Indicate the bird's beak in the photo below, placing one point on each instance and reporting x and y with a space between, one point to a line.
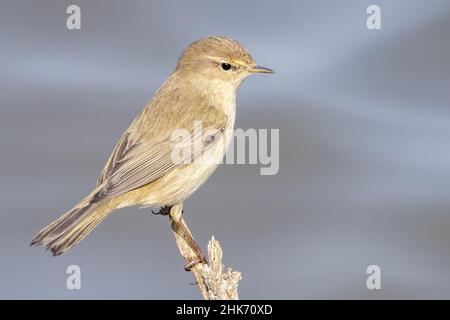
258 69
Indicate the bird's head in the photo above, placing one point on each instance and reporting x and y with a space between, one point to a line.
218 58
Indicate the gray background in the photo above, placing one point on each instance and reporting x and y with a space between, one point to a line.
364 127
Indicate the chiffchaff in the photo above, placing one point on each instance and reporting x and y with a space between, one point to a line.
141 170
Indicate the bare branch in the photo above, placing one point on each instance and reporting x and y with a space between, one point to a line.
214 280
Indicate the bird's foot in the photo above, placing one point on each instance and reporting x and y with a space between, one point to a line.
200 258
162 211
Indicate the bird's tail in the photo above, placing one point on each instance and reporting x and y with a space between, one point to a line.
65 232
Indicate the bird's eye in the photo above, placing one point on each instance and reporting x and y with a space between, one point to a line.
225 66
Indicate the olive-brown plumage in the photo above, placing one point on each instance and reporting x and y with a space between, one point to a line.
141 169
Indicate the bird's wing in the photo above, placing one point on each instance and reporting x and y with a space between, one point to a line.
137 162
121 148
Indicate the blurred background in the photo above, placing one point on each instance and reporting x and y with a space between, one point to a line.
364 123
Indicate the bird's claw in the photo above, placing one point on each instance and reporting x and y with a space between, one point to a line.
163 211
193 262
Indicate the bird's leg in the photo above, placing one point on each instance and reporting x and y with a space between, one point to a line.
194 254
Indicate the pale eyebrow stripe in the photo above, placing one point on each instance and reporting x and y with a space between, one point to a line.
220 60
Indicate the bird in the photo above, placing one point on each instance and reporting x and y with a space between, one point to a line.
142 169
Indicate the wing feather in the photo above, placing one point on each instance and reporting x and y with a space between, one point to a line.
149 161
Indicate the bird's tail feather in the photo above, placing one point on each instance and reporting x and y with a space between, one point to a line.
65 232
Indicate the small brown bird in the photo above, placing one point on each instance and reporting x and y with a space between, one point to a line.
142 170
